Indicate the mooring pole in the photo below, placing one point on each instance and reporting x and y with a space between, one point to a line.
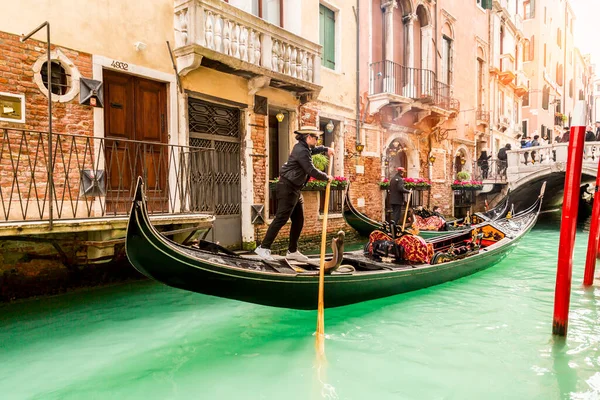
568 226
592 250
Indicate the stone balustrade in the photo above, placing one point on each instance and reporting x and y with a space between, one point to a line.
222 32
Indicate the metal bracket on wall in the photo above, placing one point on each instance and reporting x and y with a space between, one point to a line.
257 214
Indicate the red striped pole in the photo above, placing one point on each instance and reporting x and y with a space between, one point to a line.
568 226
594 239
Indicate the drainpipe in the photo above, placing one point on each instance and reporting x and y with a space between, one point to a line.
357 17
435 53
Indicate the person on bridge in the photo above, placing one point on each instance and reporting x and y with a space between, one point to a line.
503 159
597 130
397 191
590 136
567 135
483 163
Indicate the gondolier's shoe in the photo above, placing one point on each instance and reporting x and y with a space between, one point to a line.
265 254
296 256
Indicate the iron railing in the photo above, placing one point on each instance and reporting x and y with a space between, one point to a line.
96 177
483 115
413 83
390 77
495 171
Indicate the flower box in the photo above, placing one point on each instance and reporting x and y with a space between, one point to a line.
466 185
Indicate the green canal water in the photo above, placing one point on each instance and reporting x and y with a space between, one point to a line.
487 336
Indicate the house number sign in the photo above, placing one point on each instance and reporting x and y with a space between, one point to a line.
120 65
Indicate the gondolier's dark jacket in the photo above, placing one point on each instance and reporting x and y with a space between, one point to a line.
397 189
299 166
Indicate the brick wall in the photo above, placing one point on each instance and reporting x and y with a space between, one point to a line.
26 154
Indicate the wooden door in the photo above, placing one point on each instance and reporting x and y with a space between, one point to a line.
135 130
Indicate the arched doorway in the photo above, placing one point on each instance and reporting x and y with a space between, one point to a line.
395 157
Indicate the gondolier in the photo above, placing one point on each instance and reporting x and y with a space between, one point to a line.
290 203
397 191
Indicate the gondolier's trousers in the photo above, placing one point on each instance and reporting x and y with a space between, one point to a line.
290 204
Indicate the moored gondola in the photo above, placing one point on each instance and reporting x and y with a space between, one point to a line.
216 271
365 225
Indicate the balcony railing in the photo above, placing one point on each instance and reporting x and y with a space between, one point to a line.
96 177
483 115
494 171
241 40
412 83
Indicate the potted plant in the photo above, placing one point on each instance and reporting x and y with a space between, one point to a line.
384 184
320 161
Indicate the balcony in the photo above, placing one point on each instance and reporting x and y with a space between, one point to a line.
214 34
507 73
521 84
503 123
482 117
392 83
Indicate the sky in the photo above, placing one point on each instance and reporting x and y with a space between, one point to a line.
587 27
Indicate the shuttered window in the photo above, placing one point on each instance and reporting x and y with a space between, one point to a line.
327 36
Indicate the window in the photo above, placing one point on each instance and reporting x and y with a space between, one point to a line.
327 36
598 88
480 79
59 77
524 124
485 4
545 14
544 54
525 102
559 74
528 9
571 88
446 60
269 10
559 37
545 97
526 50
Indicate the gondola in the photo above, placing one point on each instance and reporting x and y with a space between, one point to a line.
365 225
214 270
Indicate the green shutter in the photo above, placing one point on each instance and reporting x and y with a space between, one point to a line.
327 36
486 4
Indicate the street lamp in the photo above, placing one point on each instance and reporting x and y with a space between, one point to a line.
462 161
279 116
329 127
431 159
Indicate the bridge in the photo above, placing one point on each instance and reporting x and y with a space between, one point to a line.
527 168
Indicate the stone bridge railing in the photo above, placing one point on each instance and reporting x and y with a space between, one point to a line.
525 162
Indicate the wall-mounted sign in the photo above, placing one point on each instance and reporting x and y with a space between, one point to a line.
12 107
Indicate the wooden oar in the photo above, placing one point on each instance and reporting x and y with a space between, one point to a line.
406 210
320 336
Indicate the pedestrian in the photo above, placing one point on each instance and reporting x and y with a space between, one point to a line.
590 136
597 131
503 159
535 142
566 136
483 163
397 191
290 203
